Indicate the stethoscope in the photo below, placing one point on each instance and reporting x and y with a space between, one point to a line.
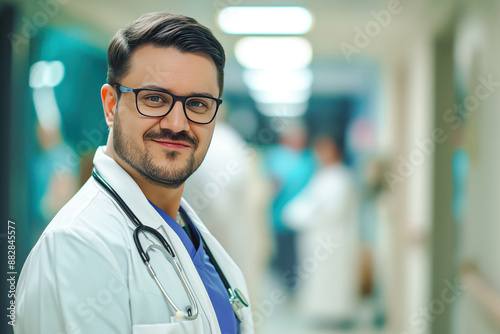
236 297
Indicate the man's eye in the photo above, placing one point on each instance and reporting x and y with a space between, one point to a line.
197 104
154 98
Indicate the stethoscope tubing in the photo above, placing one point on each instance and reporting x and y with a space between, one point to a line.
192 313
236 298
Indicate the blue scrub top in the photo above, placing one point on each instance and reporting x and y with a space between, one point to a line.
217 292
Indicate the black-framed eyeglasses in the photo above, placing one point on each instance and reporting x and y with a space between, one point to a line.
153 102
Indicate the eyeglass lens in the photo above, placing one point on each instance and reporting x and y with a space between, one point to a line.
154 103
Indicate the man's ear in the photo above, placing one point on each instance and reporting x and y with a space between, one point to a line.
109 103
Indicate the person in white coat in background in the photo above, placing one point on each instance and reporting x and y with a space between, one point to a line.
127 254
325 215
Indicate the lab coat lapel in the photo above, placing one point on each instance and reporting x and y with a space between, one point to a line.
133 196
126 187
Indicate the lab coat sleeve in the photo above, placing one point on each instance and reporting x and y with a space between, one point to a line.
72 284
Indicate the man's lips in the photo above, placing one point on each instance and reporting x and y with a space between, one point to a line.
172 144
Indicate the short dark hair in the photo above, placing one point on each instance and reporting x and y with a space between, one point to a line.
163 30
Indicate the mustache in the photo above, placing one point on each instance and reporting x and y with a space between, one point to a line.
167 134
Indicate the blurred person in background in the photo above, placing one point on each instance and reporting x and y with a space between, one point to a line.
325 213
55 178
290 166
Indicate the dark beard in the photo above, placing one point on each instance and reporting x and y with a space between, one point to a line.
142 162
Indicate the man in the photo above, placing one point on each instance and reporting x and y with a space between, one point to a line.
85 274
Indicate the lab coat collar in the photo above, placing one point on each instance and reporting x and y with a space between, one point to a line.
126 187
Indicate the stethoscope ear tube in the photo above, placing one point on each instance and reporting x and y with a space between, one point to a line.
144 255
116 197
139 226
156 234
192 310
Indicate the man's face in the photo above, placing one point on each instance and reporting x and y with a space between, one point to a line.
165 151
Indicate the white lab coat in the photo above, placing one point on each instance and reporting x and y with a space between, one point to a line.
325 212
84 274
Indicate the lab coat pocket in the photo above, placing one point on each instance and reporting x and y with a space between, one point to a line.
176 327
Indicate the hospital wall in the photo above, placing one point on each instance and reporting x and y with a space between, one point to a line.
442 110
439 133
477 229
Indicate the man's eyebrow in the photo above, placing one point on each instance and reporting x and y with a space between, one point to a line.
153 86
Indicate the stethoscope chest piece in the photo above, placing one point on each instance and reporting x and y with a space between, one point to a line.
238 301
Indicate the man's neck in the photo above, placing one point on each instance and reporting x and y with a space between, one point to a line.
167 199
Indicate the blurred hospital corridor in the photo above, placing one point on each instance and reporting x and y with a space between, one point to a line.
353 173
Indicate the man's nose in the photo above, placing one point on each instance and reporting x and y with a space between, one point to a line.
176 119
